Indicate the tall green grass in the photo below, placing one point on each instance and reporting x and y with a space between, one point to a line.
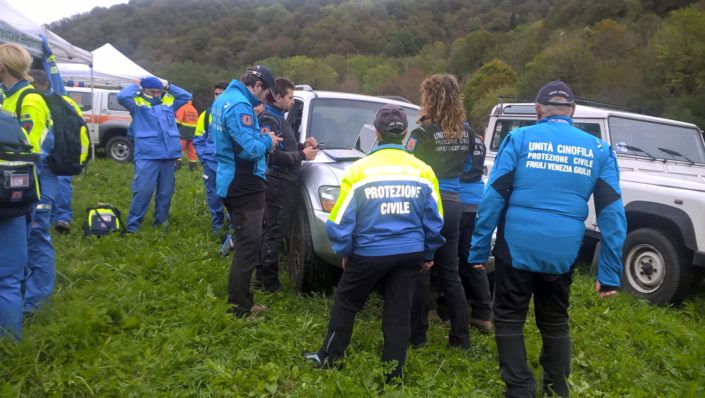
144 315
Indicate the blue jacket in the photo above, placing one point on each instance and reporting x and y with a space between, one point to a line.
388 204
153 128
203 139
545 174
236 133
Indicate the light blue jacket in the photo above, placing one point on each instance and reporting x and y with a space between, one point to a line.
153 128
237 136
545 174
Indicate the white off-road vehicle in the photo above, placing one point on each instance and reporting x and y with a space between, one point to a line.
662 177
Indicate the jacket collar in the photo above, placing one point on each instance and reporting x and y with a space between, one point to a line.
238 86
388 146
558 119
16 87
274 111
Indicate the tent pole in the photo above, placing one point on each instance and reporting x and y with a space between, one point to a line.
93 116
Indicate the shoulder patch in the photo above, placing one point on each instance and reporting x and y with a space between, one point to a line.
265 130
247 120
27 125
411 144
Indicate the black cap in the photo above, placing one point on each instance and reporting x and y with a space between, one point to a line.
391 121
267 78
552 89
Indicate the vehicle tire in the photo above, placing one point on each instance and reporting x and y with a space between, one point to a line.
654 267
119 149
308 271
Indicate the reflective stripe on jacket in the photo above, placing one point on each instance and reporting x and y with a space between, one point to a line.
153 127
388 204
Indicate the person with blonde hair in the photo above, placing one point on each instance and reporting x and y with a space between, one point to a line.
28 262
443 142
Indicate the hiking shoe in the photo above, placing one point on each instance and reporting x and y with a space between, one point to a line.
322 364
272 290
62 227
485 327
227 246
258 309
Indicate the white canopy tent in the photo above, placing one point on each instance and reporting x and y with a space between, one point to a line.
111 68
17 28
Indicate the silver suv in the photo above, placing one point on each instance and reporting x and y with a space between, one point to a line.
662 176
336 120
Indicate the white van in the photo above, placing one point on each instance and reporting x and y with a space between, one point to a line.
107 120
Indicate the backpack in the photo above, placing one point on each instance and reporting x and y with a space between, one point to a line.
69 155
103 219
19 187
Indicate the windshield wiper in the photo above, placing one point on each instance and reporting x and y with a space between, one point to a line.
637 149
674 153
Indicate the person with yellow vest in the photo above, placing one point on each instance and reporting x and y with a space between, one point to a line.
27 261
156 141
205 149
386 224
187 120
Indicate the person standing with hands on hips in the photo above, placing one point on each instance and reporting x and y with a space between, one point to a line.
240 149
155 136
539 208
386 224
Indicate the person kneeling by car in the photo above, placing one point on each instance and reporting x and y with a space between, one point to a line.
386 224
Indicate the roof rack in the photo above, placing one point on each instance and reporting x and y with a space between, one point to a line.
304 87
582 101
395 97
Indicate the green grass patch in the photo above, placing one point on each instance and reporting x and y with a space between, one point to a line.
144 315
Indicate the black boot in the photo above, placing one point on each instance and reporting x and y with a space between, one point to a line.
192 166
177 165
555 360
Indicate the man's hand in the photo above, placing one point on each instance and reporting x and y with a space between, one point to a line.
310 142
427 265
605 294
345 262
275 140
480 266
309 153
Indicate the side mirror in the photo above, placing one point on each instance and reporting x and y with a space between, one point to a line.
366 139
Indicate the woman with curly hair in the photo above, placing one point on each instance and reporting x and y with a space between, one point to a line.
443 142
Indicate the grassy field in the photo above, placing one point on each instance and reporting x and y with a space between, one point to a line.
144 315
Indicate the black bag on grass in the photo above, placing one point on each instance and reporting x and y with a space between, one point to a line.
103 219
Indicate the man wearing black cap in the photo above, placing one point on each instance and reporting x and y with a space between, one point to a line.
386 224
537 197
240 149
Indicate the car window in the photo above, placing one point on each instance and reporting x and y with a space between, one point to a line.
503 127
113 103
659 140
82 99
336 123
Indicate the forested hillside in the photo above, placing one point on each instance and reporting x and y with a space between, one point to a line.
647 53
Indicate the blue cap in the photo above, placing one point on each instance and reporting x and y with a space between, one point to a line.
151 82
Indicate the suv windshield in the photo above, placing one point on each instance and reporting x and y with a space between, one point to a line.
336 123
651 139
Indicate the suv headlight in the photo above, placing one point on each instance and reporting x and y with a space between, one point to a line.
328 195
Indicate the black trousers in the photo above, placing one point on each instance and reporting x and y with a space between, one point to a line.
277 219
445 268
246 212
513 291
361 275
475 282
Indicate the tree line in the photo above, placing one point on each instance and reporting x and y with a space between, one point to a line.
644 53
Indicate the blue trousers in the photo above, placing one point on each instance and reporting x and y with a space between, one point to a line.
151 174
215 203
13 259
39 274
62 203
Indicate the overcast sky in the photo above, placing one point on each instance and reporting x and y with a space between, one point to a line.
47 11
